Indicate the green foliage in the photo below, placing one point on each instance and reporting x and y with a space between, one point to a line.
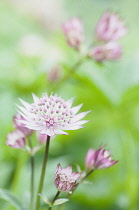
110 90
9 197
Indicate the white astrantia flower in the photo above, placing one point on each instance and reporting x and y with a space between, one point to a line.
51 115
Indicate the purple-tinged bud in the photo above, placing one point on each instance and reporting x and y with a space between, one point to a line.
99 159
110 27
21 126
16 139
73 30
109 51
55 74
113 51
65 180
97 53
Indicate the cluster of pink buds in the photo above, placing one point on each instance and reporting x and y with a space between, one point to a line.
17 138
99 159
109 29
65 180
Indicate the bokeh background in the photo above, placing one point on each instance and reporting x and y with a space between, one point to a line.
31 44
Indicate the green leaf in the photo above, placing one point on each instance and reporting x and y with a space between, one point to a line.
60 201
86 182
8 196
45 199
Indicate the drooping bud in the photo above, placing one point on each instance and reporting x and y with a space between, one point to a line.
109 51
99 159
16 139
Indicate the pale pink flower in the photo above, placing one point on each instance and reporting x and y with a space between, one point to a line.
21 126
99 159
16 139
65 180
110 27
73 30
109 51
51 115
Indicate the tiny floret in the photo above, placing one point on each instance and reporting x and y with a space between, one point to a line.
16 139
65 180
99 159
51 115
73 30
110 27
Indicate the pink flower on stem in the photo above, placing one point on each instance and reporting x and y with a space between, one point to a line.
21 126
65 180
73 30
99 159
110 27
51 115
16 139
109 51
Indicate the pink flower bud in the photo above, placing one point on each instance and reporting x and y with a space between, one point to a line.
73 30
65 180
109 51
16 139
99 159
110 27
54 74
21 126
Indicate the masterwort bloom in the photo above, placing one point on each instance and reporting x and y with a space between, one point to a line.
108 51
73 30
110 27
20 126
99 159
51 115
65 180
16 139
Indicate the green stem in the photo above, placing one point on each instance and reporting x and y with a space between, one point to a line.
72 70
32 176
56 196
42 173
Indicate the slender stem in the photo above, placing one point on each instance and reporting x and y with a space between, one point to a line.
73 69
90 172
56 196
42 173
32 176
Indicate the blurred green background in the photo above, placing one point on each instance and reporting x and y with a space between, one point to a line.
31 43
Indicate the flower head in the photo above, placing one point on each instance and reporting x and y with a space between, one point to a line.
51 115
73 30
110 27
20 126
109 51
65 180
99 159
16 139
